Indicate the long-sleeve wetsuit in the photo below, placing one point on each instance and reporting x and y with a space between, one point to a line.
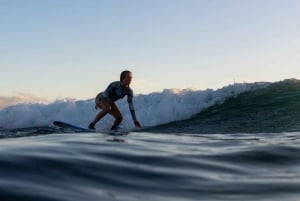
115 91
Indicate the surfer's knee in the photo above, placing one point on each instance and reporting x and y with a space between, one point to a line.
106 108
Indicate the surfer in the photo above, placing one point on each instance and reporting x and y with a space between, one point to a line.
106 101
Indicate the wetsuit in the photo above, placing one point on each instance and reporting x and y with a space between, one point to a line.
114 92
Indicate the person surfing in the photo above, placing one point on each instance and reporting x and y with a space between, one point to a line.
106 101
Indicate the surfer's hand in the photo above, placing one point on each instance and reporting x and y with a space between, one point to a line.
137 124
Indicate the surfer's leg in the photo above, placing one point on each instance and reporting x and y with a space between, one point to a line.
106 108
117 115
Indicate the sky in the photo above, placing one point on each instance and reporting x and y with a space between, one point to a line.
54 49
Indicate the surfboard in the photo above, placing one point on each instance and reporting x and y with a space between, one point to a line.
65 125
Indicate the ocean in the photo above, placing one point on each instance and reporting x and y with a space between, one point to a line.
239 142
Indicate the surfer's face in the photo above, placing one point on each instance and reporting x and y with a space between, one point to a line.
127 79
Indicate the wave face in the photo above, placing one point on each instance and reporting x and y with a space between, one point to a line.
152 109
275 108
238 108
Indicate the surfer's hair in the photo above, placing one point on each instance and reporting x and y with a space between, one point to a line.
123 74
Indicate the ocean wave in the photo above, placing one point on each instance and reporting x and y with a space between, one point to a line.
239 108
151 109
274 108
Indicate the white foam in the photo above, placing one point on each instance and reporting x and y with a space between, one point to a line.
151 109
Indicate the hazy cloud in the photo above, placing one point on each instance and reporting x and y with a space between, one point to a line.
20 97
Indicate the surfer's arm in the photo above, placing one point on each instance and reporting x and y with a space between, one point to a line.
131 108
132 111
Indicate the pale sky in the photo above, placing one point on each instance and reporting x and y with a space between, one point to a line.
75 48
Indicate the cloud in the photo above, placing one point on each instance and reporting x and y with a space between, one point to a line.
20 97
